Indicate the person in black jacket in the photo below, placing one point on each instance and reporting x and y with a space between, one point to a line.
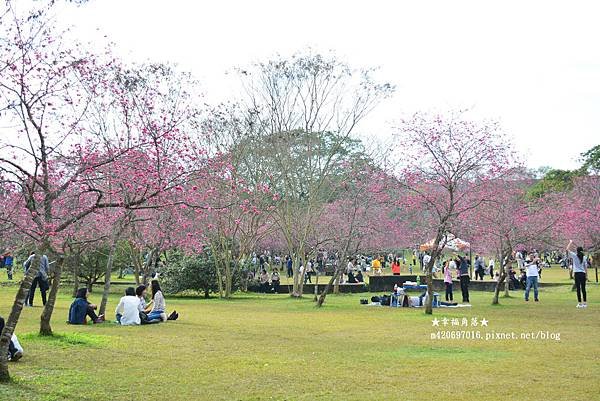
463 272
351 278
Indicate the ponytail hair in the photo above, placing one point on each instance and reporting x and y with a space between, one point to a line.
580 254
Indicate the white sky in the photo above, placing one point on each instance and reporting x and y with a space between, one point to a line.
535 66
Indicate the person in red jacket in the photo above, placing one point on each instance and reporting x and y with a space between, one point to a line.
396 267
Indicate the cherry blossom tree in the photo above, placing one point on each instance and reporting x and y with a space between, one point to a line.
360 217
304 112
508 220
84 135
448 161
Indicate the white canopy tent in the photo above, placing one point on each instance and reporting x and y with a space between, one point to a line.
452 242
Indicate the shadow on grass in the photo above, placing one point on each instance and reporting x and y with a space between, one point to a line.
65 340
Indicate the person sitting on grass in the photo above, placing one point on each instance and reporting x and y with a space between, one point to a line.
157 306
15 351
140 292
81 307
129 308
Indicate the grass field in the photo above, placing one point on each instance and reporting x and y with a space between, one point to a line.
275 348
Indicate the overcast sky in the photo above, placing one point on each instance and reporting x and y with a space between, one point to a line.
534 66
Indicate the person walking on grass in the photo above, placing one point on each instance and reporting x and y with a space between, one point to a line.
531 269
580 266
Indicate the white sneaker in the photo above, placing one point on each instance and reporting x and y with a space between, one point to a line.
584 305
579 306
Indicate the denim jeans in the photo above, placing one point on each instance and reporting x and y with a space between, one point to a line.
155 315
532 281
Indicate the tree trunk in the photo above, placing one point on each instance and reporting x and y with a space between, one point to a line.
228 277
435 252
219 277
498 285
298 281
429 300
45 327
135 260
332 280
338 277
107 276
13 318
76 262
503 278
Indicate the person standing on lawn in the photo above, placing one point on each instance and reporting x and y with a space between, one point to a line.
41 279
463 272
491 267
8 264
531 269
426 260
289 265
580 266
479 267
448 282
396 267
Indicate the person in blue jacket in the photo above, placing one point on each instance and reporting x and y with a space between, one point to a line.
81 307
8 264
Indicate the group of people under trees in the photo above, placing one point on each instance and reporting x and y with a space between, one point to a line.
531 266
132 308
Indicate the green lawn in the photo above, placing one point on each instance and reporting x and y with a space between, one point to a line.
273 347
